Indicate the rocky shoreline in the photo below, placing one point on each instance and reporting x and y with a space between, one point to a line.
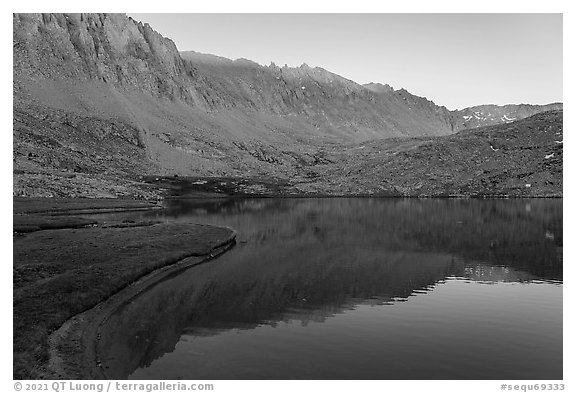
64 265
74 347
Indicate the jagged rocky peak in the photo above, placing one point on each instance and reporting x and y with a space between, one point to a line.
320 76
379 87
301 75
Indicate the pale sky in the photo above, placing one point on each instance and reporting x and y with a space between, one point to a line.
456 60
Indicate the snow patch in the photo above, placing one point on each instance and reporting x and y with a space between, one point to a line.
478 115
200 182
507 119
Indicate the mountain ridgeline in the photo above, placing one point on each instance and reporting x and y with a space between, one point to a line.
101 100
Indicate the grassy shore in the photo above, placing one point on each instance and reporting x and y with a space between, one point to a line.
55 206
59 273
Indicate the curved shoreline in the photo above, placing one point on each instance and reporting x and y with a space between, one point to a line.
73 348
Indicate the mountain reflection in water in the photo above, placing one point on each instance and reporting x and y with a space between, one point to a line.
355 288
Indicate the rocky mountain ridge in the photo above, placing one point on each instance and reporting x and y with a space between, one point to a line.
485 115
108 48
86 81
328 101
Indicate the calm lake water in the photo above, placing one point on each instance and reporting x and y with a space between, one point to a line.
355 289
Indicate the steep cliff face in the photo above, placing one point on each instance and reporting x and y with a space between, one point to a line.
110 48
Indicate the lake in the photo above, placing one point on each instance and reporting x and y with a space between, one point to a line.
354 288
